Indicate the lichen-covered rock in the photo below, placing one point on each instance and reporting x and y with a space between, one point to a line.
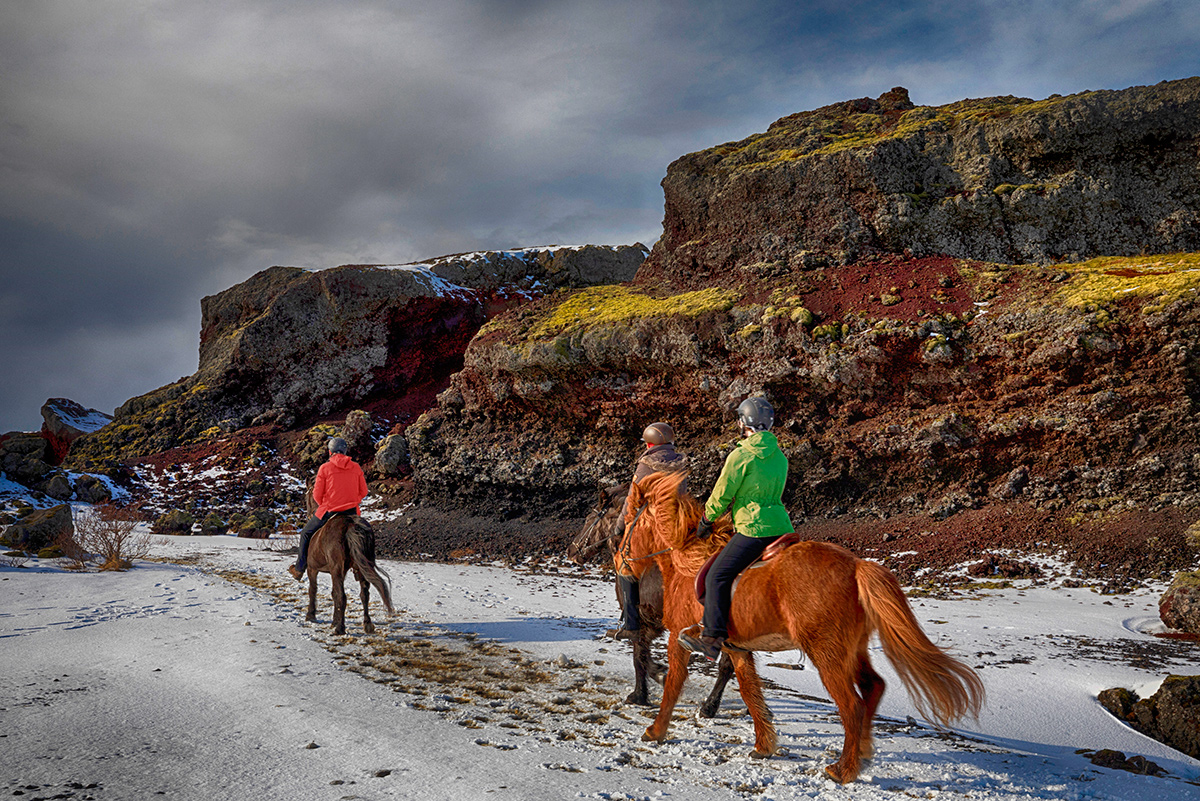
1179 607
1171 715
213 525
391 457
58 487
24 457
91 489
257 523
176 521
1000 179
40 529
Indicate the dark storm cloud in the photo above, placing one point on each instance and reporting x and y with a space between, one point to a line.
155 152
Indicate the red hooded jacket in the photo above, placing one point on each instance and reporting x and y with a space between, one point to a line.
340 485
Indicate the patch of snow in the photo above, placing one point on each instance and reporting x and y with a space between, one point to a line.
196 676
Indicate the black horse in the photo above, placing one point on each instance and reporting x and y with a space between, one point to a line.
600 531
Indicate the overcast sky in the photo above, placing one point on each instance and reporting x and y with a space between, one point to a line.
152 153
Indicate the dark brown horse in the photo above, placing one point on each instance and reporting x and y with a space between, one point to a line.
346 543
814 597
600 532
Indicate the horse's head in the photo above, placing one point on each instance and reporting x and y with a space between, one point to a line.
599 527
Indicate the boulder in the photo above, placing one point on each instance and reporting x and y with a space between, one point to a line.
1179 607
40 529
213 525
90 489
1171 715
391 457
175 521
58 487
64 421
256 524
25 457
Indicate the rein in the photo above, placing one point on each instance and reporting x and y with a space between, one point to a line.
625 543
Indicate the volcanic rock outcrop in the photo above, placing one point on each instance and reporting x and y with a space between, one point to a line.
1001 179
893 279
289 346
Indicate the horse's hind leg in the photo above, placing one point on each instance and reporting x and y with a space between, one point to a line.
724 673
750 687
368 626
871 687
677 668
838 676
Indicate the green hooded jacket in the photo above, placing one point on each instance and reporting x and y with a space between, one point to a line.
752 481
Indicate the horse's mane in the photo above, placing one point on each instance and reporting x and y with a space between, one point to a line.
675 516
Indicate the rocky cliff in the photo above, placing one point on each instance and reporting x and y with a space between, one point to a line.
1002 179
951 309
288 346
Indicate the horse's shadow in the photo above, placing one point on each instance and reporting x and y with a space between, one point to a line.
518 630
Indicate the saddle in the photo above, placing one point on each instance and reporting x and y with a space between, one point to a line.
774 549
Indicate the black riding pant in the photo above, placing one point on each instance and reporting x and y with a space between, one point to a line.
738 554
311 527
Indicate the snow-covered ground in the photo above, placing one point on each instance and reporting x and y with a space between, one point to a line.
196 677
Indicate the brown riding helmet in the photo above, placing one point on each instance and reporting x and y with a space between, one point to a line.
658 434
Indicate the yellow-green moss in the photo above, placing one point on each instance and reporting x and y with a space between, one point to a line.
1158 280
602 305
822 133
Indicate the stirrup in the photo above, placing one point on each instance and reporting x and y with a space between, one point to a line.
708 647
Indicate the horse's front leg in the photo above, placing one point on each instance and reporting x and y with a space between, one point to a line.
750 686
724 673
368 626
339 604
677 669
312 597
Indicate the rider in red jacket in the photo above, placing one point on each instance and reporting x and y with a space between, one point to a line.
340 486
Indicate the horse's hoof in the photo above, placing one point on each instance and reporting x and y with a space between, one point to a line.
647 737
638 699
311 618
707 711
756 754
832 772
369 629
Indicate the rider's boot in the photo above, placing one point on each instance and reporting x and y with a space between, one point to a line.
627 586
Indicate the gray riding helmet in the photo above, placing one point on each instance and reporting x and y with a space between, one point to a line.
658 434
756 414
337 445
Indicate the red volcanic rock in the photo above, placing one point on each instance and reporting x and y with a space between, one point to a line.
64 421
1179 606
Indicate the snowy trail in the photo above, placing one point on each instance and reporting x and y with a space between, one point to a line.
201 680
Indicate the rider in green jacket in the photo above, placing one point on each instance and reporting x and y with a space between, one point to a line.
751 487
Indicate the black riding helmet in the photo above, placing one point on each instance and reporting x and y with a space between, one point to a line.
756 414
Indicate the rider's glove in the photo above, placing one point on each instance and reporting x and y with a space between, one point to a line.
703 528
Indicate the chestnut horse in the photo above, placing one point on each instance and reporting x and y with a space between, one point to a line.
600 531
343 544
815 597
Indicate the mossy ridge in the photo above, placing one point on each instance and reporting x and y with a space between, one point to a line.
1160 279
617 303
819 134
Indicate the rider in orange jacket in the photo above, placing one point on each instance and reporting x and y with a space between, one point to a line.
340 486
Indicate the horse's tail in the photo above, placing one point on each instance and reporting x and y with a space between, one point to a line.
942 688
360 540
